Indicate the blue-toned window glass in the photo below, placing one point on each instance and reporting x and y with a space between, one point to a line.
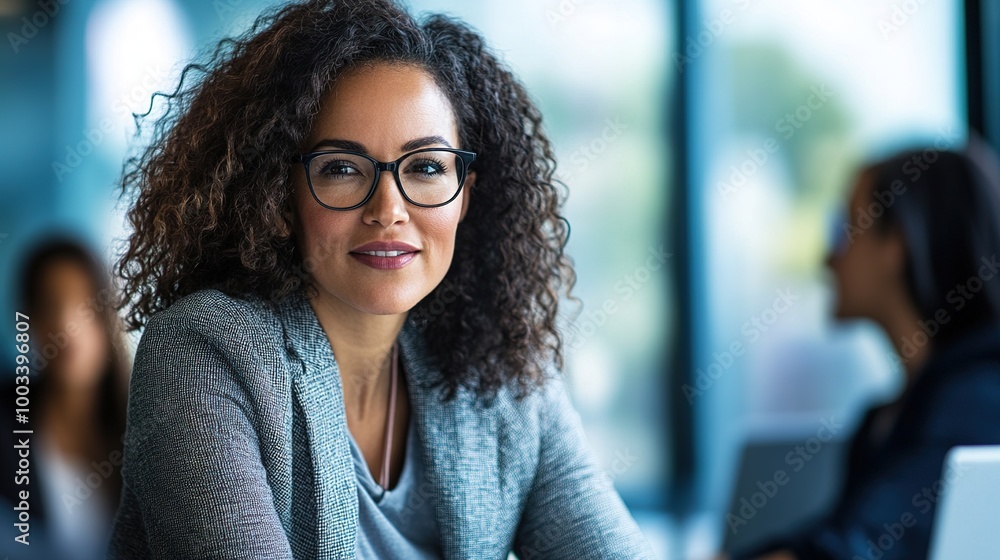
788 98
134 48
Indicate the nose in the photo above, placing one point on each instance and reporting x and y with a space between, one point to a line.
387 205
838 240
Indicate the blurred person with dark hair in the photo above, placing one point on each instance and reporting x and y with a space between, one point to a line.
78 389
919 256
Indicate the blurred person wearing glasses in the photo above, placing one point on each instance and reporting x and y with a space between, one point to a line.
348 259
920 256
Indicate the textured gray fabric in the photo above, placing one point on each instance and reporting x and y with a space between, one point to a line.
399 522
237 447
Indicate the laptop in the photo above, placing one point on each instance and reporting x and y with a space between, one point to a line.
781 485
965 524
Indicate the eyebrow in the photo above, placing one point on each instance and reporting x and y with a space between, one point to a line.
424 142
339 145
414 144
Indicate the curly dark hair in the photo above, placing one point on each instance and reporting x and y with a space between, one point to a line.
211 188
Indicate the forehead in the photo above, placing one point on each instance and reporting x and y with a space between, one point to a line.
382 106
65 277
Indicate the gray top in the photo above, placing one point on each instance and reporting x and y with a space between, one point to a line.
237 447
399 522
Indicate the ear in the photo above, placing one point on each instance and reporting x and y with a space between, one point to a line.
470 181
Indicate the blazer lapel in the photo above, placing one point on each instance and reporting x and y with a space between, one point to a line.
460 451
318 390
459 440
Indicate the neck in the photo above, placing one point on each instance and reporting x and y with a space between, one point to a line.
362 345
75 405
69 418
912 344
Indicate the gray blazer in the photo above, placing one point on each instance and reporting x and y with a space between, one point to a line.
237 447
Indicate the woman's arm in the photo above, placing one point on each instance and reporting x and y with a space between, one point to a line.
192 456
573 510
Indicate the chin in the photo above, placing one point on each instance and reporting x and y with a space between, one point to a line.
389 310
384 306
842 306
838 310
846 313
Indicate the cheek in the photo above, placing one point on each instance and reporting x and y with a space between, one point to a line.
860 273
93 340
441 229
849 268
305 214
315 227
449 217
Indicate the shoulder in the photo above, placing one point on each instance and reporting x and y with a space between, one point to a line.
966 403
533 413
224 321
975 384
202 356
211 310
209 334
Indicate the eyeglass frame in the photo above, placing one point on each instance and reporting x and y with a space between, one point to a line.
467 159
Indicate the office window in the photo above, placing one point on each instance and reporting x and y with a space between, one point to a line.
133 50
788 99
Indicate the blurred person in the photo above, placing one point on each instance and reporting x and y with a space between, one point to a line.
78 389
350 344
919 256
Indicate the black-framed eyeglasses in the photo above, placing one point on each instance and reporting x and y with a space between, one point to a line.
345 180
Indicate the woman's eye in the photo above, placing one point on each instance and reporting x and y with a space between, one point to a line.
428 167
336 169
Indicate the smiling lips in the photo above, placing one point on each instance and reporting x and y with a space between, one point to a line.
385 255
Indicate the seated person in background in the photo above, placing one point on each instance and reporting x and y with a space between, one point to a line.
919 257
78 387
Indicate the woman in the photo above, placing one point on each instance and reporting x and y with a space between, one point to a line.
78 385
350 344
919 256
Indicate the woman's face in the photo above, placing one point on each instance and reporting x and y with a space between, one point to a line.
73 335
384 111
868 269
